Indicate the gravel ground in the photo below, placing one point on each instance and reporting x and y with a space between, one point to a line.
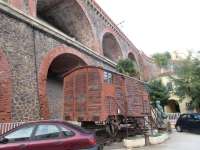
177 141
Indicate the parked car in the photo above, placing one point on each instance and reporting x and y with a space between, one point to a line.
48 135
188 122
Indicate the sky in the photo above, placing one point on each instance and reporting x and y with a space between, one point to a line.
157 25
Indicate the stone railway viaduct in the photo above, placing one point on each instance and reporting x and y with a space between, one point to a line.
40 40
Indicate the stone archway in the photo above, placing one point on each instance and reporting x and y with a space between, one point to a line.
111 47
172 107
5 89
70 17
55 64
131 56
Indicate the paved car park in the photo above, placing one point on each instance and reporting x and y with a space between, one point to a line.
177 141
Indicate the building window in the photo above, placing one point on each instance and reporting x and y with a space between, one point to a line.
170 86
189 106
108 78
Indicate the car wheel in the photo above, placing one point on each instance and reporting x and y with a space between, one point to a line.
178 129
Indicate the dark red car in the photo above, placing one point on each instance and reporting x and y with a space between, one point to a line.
48 135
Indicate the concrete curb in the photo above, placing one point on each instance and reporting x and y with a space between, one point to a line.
140 142
133 143
158 139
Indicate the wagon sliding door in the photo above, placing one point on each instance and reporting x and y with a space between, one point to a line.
134 96
75 95
94 101
83 95
119 85
137 100
80 94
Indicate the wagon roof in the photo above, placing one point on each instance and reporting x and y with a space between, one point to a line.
98 67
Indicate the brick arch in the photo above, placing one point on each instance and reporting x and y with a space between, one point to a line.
133 57
139 62
72 18
116 49
94 31
172 106
5 89
43 73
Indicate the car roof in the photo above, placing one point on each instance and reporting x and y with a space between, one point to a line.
38 122
69 124
46 121
190 114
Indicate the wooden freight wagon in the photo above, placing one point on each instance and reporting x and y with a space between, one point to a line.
93 94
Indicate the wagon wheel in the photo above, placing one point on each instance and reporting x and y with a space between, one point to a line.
112 128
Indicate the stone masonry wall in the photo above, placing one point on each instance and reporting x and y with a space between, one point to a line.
25 49
16 41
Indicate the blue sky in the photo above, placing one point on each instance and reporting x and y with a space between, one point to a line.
157 25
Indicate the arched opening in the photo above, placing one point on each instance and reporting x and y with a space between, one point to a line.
131 57
111 47
50 79
57 69
69 17
5 89
172 107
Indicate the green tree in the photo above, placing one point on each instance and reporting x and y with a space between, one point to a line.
187 80
158 92
163 60
128 67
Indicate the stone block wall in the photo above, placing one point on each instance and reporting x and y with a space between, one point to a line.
16 41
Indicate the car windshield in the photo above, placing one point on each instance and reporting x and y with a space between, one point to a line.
21 134
197 117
